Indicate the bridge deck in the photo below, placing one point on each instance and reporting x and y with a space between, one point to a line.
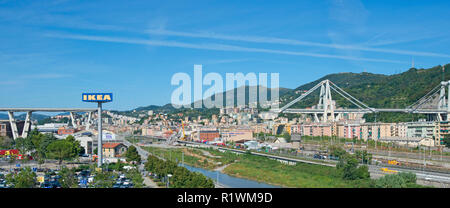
49 109
376 110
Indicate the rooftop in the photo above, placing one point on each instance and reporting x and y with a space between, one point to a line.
111 145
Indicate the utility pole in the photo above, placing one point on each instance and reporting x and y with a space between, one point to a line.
389 150
423 168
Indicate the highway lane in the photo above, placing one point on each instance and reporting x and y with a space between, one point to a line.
421 175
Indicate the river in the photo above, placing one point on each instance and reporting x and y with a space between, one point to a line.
230 181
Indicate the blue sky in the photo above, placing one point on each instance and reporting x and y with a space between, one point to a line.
52 51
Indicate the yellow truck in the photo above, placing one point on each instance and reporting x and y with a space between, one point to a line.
393 162
388 171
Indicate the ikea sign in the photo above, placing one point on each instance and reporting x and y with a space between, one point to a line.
97 97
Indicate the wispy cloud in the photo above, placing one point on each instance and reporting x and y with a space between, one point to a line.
20 80
389 41
258 39
9 82
225 61
46 76
216 47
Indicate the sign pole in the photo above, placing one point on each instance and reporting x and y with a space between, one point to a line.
99 98
99 146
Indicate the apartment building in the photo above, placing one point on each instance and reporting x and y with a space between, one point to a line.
348 131
236 134
315 129
421 129
442 129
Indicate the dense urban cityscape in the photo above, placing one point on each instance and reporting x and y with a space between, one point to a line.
194 99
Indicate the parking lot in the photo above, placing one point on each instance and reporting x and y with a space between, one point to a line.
51 178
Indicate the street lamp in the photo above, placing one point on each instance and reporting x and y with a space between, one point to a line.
217 178
168 178
182 159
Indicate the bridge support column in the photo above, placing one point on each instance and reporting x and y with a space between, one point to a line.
27 124
12 122
316 118
448 100
442 100
88 123
73 120
329 100
338 116
326 102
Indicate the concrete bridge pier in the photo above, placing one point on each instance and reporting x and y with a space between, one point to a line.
72 117
27 125
12 121
88 122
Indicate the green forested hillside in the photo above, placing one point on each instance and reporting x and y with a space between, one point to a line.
380 91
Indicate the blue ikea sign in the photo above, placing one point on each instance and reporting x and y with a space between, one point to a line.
97 97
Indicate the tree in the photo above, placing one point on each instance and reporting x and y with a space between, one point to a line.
6 142
68 179
447 140
400 180
26 178
36 139
182 177
364 156
348 165
136 177
132 154
24 145
287 137
60 149
103 180
76 148
337 151
41 145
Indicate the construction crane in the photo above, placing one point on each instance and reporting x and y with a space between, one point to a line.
287 127
184 135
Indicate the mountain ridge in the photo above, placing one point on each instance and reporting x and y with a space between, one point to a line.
375 90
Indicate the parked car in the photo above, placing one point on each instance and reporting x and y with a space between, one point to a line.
317 156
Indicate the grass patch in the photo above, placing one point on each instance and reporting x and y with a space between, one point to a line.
302 175
192 157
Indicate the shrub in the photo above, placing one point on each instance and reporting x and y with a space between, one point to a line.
400 180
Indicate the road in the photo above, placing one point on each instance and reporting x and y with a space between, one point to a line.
144 155
412 156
